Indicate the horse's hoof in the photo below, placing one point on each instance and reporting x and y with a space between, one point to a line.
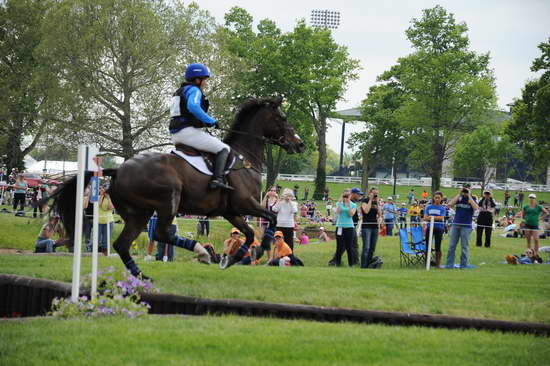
144 277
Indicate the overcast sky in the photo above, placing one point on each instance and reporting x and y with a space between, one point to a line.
374 32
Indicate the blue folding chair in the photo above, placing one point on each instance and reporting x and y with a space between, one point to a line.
407 255
418 240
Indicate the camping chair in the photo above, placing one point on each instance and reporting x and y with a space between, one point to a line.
407 255
419 241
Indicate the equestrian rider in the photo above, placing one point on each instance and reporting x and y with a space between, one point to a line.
188 112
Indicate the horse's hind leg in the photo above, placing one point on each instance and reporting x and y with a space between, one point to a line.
133 225
165 234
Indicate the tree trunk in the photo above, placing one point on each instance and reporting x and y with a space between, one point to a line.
272 165
321 178
437 166
365 175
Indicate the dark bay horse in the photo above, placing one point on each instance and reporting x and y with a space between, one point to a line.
168 185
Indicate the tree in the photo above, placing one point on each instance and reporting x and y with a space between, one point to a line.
382 142
531 115
119 62
449 89
478 153
27 90
321 70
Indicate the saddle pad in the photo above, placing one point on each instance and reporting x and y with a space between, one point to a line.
198 162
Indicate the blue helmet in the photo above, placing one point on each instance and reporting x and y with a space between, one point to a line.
196 71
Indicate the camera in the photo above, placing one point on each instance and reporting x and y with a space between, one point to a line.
375 196
465 191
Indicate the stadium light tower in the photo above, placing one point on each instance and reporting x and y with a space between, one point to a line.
325 18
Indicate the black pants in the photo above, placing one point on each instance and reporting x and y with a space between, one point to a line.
344 242
19 199
204 227
437 238
479 236
288 235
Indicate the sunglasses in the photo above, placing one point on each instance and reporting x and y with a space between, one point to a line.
280 237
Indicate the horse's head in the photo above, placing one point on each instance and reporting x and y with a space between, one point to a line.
278 130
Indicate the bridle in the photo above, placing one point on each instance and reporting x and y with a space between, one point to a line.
271 140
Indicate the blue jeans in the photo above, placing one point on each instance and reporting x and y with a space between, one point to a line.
462 233
102 235
44 245
370 237
389 226
167 248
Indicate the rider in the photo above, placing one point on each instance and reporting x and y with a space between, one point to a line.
188 111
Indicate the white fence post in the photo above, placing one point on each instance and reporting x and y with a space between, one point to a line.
429 253
82 165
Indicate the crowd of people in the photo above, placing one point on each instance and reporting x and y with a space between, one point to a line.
15 191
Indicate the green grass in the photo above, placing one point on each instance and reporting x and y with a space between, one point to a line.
231 340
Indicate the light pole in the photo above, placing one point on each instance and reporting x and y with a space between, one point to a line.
325 18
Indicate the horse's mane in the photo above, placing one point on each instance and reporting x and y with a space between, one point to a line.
247 109
250 106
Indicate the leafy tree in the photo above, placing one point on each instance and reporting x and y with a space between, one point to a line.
448 89
478 153
321 70
119 62
531 115
27 90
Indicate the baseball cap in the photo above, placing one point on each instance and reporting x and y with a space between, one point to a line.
235 230
532 195
356 191
278 233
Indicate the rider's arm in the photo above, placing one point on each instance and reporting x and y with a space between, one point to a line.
194 106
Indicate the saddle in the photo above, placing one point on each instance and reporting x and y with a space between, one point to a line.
209 158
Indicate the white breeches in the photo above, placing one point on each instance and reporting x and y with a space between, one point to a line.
200 140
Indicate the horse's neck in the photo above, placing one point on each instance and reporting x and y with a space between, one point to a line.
252 148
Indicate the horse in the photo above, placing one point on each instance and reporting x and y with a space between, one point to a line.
168 184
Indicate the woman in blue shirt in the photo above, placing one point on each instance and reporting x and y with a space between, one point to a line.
20 194
389 211
438 211
345 209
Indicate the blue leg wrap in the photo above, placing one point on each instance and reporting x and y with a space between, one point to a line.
267 239
185 243
240 253
132 267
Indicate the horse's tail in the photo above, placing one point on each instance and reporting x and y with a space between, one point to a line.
64 200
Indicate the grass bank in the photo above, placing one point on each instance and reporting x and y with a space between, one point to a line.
176 340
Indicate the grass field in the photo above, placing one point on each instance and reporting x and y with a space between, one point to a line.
493 290
231 340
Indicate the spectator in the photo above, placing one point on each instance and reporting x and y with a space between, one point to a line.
281 253
19 196
402 216
306 193
165 252
311 210
151 228
232 245
410 196
87 222
498 206
286 208
461 227
323 237
303 210
389 211
45 242
531 214
270 199
414 213
329 208
356 197
372 215
304 239
485 219
326 194
296 187
516 199
520 199
105 219
424 196
203 226
528 257
506 198
345 209
437 210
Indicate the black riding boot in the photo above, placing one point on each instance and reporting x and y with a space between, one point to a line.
219 166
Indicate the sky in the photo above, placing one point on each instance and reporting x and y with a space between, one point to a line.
374 32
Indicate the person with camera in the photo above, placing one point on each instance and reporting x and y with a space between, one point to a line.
345 230
531 213
286 208
270 199
485 219
438 211
372 215
461 228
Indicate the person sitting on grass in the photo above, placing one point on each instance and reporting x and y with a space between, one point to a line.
323 236
304 239
528 257
281 254
232 245
45 243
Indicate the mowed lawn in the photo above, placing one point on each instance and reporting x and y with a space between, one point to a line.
492 290
232 340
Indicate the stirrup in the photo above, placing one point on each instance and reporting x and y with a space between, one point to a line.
216 183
